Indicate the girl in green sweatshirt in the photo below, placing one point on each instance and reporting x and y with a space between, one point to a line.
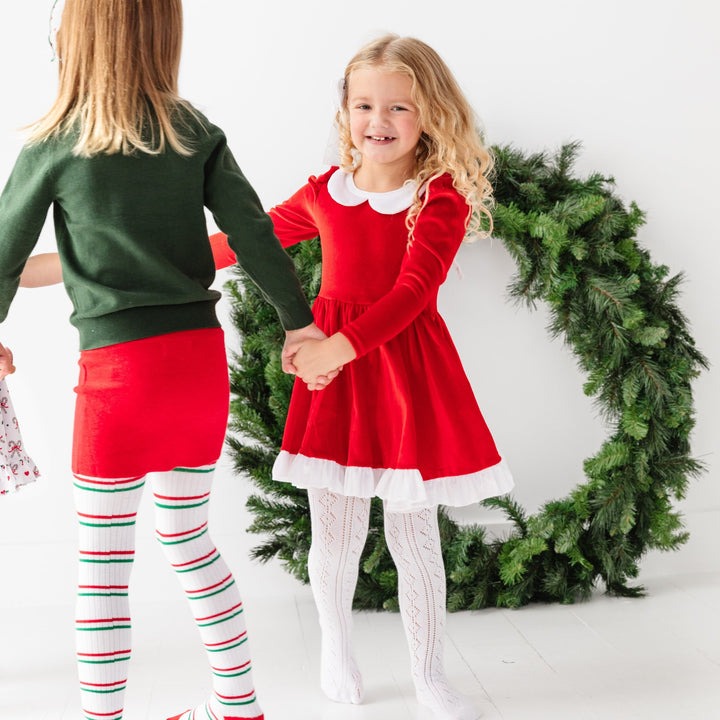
128 168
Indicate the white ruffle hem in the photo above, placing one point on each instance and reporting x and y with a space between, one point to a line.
402 490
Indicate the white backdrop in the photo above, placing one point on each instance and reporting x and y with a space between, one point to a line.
634 80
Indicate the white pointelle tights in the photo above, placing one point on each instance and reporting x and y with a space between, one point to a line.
339 531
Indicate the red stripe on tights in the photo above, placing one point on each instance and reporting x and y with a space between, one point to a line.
103 587
209 587
225 642
112 684
224 612
192 562
108 654
185 532
239 667
184 497
234 697
108 482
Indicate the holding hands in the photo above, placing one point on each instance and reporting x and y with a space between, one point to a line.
315 358
6 362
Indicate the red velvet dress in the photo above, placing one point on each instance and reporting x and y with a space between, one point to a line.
401 420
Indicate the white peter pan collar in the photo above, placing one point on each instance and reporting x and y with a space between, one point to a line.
343 191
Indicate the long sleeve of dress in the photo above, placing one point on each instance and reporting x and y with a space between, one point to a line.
439 230
293 219
239 214
223 255
24 205
292 222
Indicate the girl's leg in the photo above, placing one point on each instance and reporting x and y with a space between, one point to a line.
181 510
339 531
106 513
414 542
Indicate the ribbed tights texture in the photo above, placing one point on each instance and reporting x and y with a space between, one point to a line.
106 512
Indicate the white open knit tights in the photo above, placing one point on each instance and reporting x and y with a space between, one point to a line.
414 543
339 531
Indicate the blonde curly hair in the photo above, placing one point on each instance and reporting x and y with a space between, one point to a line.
450 141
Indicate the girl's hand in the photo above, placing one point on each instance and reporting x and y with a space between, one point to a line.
293 341
318 359
6 362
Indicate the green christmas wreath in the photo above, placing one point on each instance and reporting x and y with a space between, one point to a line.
575 248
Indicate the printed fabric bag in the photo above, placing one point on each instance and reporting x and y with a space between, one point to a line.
16 467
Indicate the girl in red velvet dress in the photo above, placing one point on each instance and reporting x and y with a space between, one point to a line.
400 421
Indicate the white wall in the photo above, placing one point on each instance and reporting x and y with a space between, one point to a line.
634 80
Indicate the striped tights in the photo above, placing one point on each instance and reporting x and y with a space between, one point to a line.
107 511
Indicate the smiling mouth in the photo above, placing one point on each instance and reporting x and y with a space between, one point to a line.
380 138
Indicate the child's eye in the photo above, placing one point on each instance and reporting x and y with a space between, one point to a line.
398 107
362 106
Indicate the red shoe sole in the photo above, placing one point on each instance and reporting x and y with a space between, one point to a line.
227 717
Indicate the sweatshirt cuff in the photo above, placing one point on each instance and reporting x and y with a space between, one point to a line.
295 317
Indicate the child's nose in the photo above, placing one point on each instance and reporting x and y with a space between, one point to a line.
380 117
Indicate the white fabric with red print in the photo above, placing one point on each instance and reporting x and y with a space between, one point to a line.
16 467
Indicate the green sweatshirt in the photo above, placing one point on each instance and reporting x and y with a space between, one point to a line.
132 236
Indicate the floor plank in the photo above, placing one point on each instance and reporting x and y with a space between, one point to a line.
652 658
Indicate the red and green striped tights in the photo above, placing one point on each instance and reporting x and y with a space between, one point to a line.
107 510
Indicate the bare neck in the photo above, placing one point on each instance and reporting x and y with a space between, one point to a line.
381 178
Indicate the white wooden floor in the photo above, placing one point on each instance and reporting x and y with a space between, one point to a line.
656 658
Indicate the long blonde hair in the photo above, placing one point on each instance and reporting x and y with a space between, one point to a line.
450 141
118 70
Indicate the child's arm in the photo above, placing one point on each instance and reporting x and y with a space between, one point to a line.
24 204
45 268
40 270
238 213
6 362
223 254
438 234
293 220
292 223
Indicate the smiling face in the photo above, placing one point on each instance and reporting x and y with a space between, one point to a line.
384 122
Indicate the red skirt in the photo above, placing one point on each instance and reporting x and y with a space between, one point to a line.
151 405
